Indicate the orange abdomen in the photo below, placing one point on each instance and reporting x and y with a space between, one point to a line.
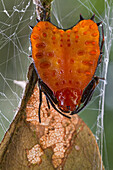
66 59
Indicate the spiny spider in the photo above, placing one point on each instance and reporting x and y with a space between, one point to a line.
65 61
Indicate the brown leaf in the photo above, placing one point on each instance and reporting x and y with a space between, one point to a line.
56 143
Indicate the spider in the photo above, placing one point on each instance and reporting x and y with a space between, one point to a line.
65 61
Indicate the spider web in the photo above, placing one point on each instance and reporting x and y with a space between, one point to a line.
15 49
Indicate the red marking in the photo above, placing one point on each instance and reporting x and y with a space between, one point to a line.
44 34
45 75
94 34
92 26
35 37
91 62
70 71
80 71
93 52
53 72
53 38
68 31
87 42
39 55
83 24
54 30
38 28
85 33
63 82
50 54
70 81
76 36
68 40
86 62
77 83
41 45
57 84
46 24
59 61
69 45
80 53
72 60
45 64
87 72
93 42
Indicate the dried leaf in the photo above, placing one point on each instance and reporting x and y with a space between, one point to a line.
56 143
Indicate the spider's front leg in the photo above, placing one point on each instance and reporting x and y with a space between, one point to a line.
87 94
40 101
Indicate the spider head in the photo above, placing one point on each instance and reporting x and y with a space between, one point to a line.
68 99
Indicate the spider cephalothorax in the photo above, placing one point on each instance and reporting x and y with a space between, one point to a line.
66 61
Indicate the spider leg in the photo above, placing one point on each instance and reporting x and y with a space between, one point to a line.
44 14
31 27
40 102
102 42
87 94
81 17
92 18
30 56
48 103
48 19
37 20
50 97
47 90
99 23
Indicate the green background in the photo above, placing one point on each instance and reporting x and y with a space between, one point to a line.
14 61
